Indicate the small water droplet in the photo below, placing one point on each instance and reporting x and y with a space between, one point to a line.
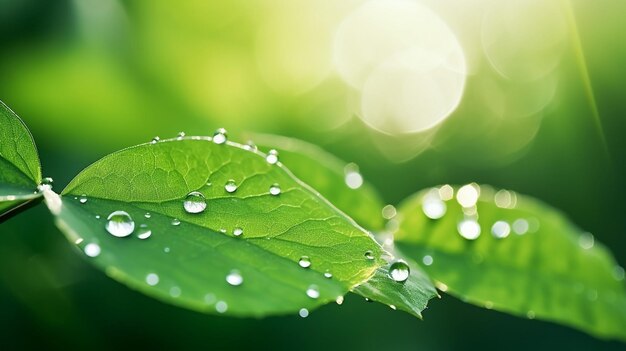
469 229
353 178
275 189
530 314
272 157
92 250
78 241
250 145
520 226
399 271
155 140
147 215
393 307
175 221
221 307
230 186
427 260
467 195
446 192
120 224
166 249
144 232
194 202
500 229
328 275
339 300
223 230
369 255
83 199
389 212
97 216
618 273
152 279
586 241
237 231
304 262
47 181
220 136
303 312
175 291
234 278
367 299
313 292
434 207
180 136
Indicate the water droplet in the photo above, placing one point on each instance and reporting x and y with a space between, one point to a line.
152 279
275 189
530 314
223 230
303 312
520 226
399 271
393 307
234 278
618 273
304 262
488 305
155 140
144 232
433 207
194 202
78 241
97 216
339 300
389 212
237 231
467 196
147 215
469 229
83 199
446 192
427 260
500 229
328 275
250 145
221 307
369 255
47 181
180 136
505 199
313 292
353 178
220 136
230 186
586 241
272 157
175 221
92 250
175 291
120 224
441 286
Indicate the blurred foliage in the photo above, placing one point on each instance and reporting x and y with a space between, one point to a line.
90 77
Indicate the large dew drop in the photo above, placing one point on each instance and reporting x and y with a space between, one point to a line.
194 202
220 136
92 250
120 224
144 232
399 271
237 231
230 186
234 278
304 262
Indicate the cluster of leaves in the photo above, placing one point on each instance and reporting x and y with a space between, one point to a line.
264 239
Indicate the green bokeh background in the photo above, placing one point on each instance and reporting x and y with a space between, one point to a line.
91 77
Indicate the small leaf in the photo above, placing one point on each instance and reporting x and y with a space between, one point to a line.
515 255
20 171
243 251
339 182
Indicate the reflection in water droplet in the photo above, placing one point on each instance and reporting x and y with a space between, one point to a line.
353 178
467 196
92 250
488 305
78 241
272 157
220 136
47 181
155 140
520 226
237 231
175 291
500 229
313 292
275 189
83 199
339 300
120 224
433 207
230 186
194 202
234 278
304 262
152 279
369 255
175 222
97 216
441 286
469 229
144 232
586 241
180 136
427 260
328 275
399 271
147 215
389 212
303 312
221 307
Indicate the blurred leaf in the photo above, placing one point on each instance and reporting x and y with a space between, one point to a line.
20 171
327 174
541 266
193 259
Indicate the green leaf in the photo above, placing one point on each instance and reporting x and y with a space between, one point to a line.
20 171
541 267
193 259
327 174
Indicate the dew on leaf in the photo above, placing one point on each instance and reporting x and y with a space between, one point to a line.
220 136
339 300
433 207
500 229
328 275
399 271
221 307
230 186
147 215
304 262
427 260
180 135
303 313
467 195
272 157
237 231
234 278
369 255
586 241
120 224
155 140
313 292
618 273
194 202
469 229
83 199
144 232
92 250
175 291
275 189
389 212
152 279
175 222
